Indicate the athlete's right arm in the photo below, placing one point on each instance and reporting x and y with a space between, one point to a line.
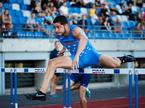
81 36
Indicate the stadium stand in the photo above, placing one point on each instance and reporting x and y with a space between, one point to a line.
20 11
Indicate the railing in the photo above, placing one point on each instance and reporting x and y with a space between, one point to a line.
95 32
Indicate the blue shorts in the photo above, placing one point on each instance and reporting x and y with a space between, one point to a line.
88 59
83 79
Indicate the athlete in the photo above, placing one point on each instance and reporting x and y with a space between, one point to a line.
83 54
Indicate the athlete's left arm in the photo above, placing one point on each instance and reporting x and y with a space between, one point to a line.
79 34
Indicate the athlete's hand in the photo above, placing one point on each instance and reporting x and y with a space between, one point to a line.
75 63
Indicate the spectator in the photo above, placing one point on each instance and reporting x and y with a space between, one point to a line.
74 20
63 10
40 22
78 3
54 12
83 23
113 17
32 4
31 23
105 24
6 21
93 16
88 3
105 10
36 9
57 3
1 11
48 18
117 26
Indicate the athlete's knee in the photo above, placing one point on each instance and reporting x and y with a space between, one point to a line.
51 63
116 65
83 98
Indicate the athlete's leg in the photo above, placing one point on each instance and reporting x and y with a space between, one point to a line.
53 86
109 62
83 100
59 62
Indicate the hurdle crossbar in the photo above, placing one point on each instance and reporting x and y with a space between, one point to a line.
137 71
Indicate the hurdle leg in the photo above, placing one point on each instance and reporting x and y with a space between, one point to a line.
69 91
136 89
130 90
64 91
15 89
11 89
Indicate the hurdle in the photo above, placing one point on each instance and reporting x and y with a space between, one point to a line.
67 73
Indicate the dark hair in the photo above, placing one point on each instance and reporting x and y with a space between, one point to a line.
56 42
60 19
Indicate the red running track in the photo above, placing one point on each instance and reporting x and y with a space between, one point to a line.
111 103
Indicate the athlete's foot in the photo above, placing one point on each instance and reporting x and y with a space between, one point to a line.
36 96
88 93
127 58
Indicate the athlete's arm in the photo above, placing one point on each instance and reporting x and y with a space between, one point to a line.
79 34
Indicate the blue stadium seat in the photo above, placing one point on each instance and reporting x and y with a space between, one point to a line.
23 20
98 35
77 10
21 34
8 6
15 20
112 35
12 1
136 36
38 35
19 13
12 13
21 2
125 26
131 24
126 36
67 4
29 34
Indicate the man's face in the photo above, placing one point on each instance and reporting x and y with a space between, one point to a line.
59 28
57 44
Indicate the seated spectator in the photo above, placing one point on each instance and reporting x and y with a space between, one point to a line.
77 3
105 24
63 10
140 25
83 23
54 12
74 20
36 9
32 4
117 26
40 21
48 18
31 23
93 16
88 3
1 11
6 21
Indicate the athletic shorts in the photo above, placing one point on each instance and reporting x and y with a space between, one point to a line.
88 59
83 79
